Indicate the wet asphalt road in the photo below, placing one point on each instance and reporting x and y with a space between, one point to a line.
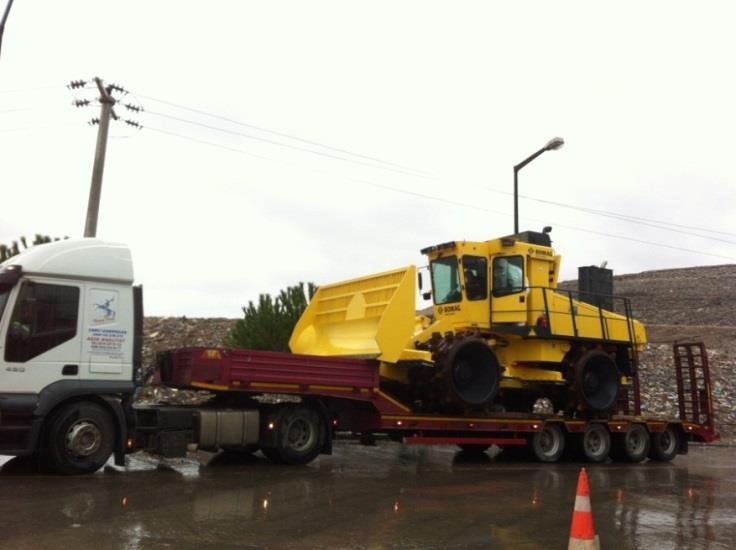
387 496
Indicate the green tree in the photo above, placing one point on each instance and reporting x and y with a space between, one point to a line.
8 251
268 325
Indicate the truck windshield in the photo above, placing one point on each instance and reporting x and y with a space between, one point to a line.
445 280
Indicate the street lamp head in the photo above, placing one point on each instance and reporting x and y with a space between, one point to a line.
554 144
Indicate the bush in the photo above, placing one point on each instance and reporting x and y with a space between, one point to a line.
268 325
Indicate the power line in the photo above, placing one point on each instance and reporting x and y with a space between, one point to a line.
460 204
289 136
625 217
219 146
279 144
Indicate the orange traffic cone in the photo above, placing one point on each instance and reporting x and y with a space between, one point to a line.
582 531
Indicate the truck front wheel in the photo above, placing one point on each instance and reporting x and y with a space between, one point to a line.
79 438
300 436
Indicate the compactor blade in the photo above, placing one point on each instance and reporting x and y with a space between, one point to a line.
372 316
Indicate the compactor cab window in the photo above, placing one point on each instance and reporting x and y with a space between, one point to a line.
44 317
508 275
446 280
475 273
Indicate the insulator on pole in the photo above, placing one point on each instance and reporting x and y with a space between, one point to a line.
133 123
81 102
134 108
74 84
94 121
117 88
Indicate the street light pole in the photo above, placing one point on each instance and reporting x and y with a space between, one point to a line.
552 145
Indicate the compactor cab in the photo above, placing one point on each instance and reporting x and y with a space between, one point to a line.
490 284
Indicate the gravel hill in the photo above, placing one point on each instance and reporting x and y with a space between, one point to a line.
696 303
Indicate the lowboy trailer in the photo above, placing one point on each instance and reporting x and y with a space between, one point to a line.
314 396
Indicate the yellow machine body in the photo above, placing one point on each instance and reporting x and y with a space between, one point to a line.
503 290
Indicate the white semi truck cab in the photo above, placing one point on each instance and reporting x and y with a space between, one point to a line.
71 329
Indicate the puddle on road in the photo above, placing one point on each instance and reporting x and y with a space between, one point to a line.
369 497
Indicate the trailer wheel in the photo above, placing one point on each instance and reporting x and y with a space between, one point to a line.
549 444
79 438
664 444
300 436
595 443
632 446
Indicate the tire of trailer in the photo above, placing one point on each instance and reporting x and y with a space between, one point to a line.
664 444
595 443
300 436
632 446
473 448
548 444
78 438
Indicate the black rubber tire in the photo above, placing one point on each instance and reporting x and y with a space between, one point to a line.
665 444
597 380
473 448
473 373
595 443
548 445
94 429
300 436
632 446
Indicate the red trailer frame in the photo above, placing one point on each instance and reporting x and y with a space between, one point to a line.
365 408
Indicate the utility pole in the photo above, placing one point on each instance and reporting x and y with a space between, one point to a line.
93 205
4 19
107 102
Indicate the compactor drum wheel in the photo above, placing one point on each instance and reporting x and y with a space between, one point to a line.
597 380
300 436
548 444
632 446
595 443
664 444
472 372
78 438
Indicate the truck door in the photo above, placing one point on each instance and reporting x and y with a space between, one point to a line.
41 340
107 348
509 293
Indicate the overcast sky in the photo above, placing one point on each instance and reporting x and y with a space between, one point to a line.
451 94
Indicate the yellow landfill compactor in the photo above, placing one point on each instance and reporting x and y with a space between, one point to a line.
502 336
